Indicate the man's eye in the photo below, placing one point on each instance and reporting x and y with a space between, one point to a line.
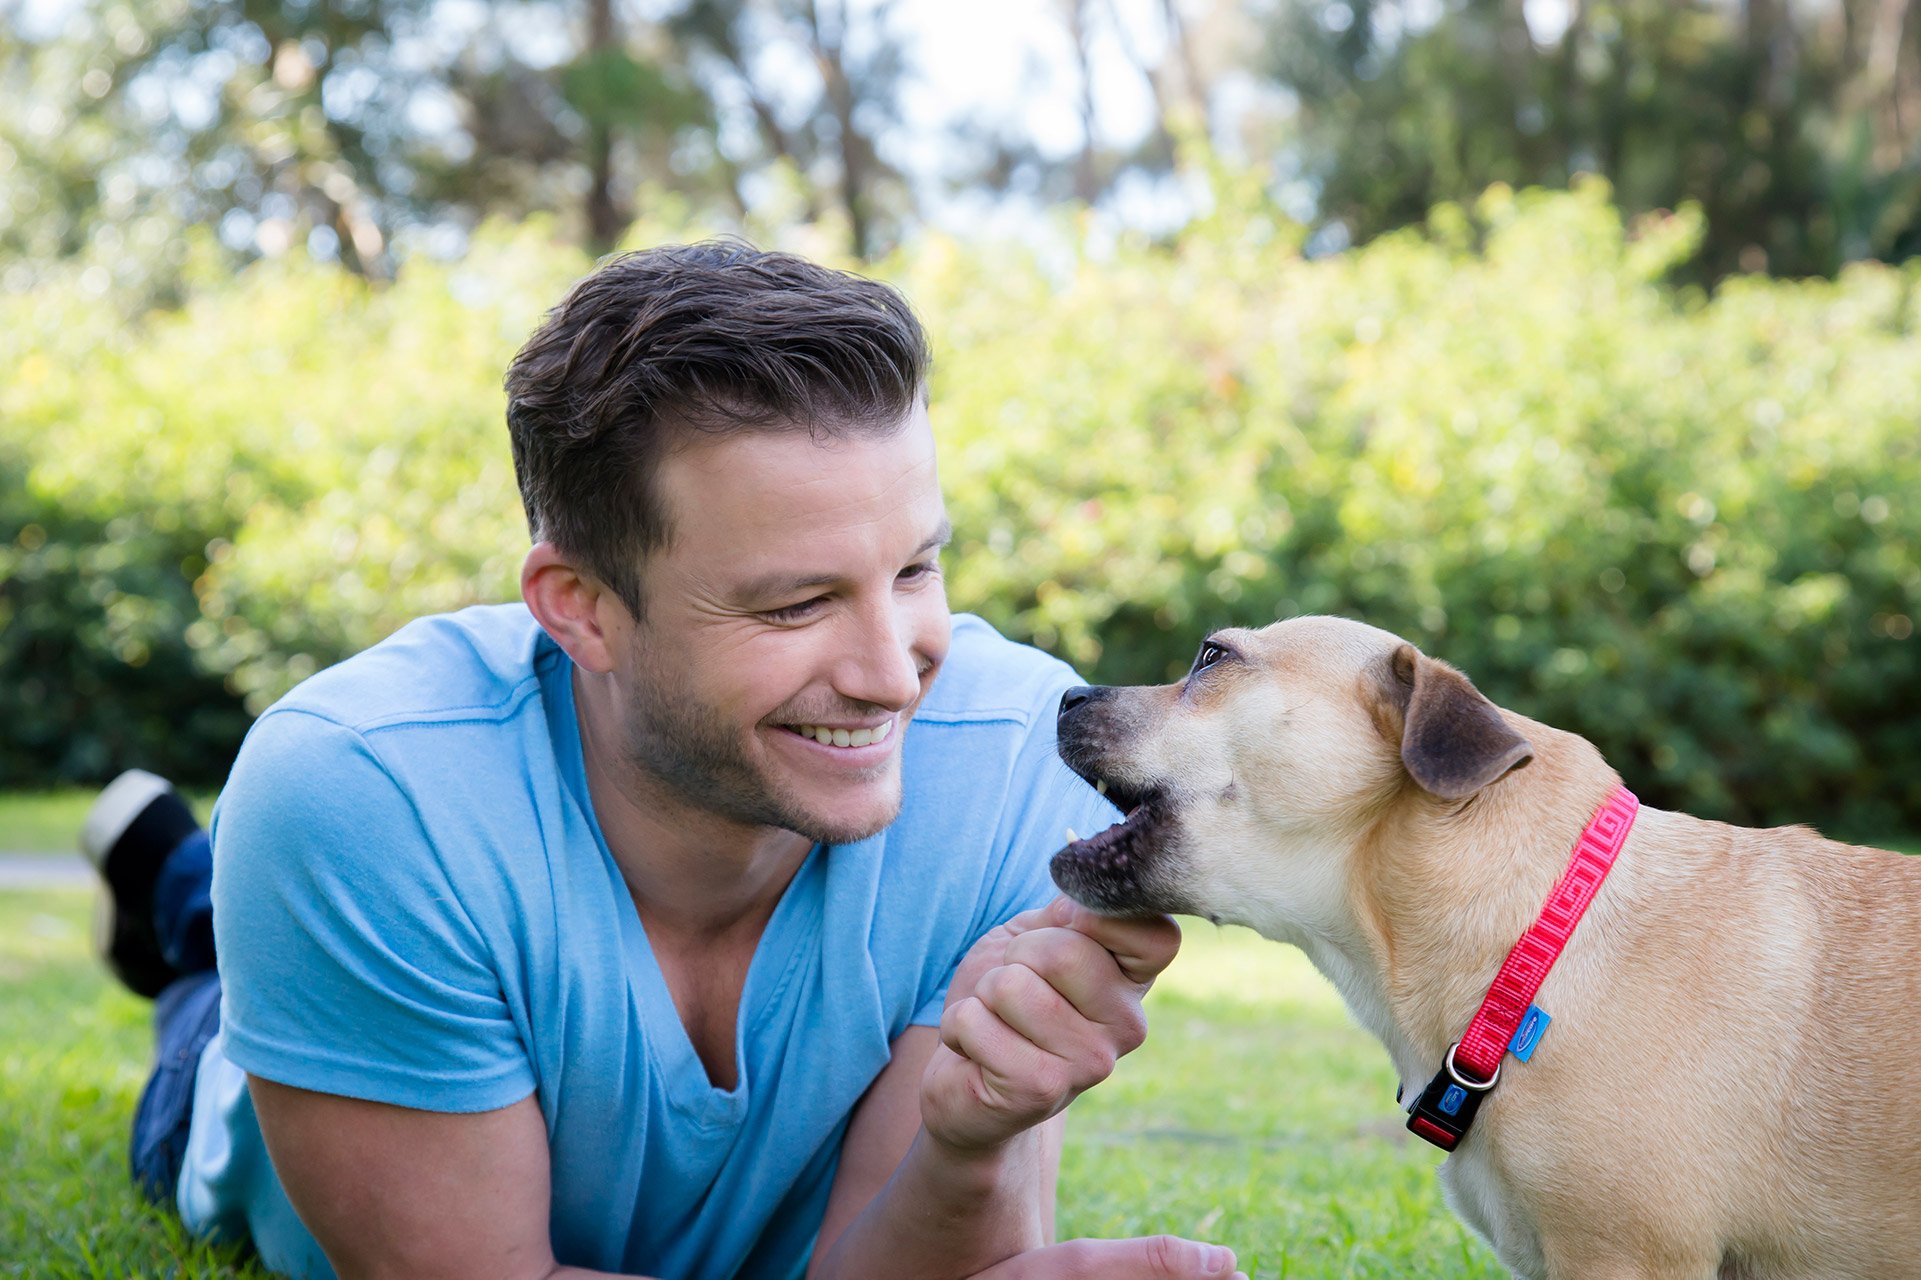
1210 654
794 612
914 571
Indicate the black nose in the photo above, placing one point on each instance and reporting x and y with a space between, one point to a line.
1074 697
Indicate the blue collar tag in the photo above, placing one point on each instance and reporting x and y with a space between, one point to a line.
1528 1034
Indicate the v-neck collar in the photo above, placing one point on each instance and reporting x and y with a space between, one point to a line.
795 917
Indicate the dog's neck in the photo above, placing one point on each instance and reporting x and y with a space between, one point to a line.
1439 893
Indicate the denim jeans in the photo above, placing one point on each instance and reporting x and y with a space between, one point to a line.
185 1017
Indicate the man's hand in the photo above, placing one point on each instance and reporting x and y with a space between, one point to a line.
1040 1009
1145 1258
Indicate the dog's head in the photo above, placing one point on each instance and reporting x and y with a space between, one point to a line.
1245 782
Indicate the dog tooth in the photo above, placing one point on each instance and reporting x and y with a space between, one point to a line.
1100 785
1071 837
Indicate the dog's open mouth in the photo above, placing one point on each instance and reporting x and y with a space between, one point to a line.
1114 870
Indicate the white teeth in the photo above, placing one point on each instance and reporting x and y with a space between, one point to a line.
845 737
1101 786
1071 837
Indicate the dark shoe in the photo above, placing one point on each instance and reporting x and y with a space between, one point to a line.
132 827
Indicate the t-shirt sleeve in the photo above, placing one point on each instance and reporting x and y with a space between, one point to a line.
348 962
1044 799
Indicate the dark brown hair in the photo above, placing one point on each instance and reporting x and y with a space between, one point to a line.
713 337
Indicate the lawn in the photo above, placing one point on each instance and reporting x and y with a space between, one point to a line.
73 1055
1255 1115
48 821
42 821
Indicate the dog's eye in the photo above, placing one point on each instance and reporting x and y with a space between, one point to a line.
1210 654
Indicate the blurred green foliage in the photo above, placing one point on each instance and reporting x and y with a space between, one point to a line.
1791 125
1682 524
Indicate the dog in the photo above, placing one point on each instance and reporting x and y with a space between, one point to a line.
1729 1083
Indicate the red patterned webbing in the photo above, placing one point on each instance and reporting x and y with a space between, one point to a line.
1487 1037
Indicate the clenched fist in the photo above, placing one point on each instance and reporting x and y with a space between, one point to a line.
1039 1010
1142 1258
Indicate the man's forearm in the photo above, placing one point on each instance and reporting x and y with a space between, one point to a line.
946 1214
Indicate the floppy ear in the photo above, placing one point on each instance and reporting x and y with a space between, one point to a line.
1453 740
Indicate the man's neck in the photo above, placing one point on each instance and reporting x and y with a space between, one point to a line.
694 874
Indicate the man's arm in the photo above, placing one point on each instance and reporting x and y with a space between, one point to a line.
394 1192
948 1165
326 880
879 1145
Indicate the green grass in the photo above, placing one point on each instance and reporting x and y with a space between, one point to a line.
1255 1116
73 1056
48 821
42 821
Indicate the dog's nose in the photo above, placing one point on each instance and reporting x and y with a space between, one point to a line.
1074 697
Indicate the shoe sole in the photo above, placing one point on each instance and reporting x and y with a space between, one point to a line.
119 803
125 943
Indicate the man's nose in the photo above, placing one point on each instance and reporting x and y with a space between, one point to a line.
885 671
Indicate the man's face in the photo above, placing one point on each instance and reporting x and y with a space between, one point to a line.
799 595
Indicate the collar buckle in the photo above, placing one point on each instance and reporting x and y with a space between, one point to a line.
1446 1107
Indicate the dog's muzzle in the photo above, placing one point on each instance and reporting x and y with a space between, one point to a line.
1119 871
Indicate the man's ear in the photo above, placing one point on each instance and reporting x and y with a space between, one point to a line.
1453 740
583 616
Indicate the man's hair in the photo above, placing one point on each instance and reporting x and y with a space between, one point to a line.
708 338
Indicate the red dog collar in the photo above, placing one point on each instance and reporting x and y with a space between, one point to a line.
1446 1107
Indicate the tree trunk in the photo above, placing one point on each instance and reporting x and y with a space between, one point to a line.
1086 173
1183 52
856 153
1882 79
605 221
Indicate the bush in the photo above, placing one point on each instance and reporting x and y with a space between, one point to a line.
94 663
95 580
296 463
1682 525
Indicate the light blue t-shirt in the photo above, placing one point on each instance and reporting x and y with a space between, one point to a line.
413 904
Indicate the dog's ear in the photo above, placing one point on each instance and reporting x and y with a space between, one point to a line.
1453 740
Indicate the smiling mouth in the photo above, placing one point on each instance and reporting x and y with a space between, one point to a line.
829 736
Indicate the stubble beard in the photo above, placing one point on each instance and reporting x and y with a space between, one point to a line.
694 754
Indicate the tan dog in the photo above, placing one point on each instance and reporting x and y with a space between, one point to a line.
1731 1084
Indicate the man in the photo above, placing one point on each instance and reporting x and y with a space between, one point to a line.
689 920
